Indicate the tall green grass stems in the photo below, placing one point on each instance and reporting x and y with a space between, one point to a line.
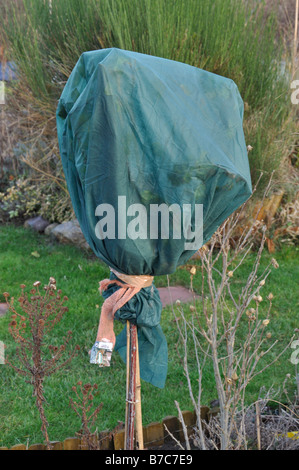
234 38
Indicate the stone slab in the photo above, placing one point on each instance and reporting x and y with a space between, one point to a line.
169 295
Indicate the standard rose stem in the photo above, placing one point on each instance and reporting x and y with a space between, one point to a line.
139 429
127 382
132 389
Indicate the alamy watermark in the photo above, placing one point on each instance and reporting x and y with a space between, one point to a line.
295 94
2 354
295 354
158 221
2 92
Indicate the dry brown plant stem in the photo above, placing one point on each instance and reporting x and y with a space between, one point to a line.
214 327
83 407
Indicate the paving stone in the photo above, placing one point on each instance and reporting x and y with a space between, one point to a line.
169 295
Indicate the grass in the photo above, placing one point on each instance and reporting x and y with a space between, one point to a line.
77 274
218 36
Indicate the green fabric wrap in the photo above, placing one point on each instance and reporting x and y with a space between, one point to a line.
151 131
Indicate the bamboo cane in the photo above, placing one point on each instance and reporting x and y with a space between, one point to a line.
130 423
258 425
127 381
139 429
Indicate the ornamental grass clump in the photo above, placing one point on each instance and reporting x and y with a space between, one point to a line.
34 315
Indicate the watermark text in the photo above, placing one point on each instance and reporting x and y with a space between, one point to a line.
157 221
295 94
295 354
2 354
2 92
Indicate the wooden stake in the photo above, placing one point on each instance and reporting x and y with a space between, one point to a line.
258 425
131 400
127 381
139 429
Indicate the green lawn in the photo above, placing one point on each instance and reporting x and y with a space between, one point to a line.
77 274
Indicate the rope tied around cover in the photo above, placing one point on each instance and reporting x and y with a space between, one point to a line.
130 286
135 299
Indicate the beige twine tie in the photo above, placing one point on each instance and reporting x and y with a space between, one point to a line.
130 286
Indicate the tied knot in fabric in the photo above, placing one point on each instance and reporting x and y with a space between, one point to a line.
135 299
129 286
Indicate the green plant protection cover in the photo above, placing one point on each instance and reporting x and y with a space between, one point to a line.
138 134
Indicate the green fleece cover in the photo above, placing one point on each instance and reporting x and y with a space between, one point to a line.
153 131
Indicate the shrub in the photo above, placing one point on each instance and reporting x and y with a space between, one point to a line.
24 198
84 407
229 326
36 359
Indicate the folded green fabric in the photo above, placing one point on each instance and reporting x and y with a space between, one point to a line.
144 310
